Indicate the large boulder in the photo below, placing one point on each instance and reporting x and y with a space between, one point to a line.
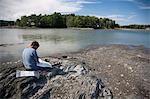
69 79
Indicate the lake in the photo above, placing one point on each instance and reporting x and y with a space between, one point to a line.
64 40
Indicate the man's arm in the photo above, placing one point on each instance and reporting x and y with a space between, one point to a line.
36 56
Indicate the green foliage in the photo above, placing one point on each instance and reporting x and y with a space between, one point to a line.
135 26
56 20
24 21
18 22
6 23
45 21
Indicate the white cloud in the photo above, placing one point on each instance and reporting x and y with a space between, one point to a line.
131 16
118 17
12 9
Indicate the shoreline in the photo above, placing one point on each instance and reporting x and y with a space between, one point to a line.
74 28
129 29
87 48
123 69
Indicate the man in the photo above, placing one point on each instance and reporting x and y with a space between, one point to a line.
30 58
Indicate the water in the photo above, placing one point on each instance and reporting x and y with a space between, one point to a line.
64 40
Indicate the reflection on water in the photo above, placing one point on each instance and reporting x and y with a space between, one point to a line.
13 41
40 37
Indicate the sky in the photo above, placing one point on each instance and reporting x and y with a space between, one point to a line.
124 12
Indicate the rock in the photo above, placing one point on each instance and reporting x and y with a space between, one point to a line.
107 94
73 77
82 96
79 69
46 60
98 89
64 56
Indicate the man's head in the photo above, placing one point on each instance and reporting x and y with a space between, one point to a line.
34 45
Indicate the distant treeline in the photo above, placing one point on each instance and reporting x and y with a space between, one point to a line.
57 20
6 23
135 26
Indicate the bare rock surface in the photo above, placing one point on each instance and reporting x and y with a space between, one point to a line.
97 72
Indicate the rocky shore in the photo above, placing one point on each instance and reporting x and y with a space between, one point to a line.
96 72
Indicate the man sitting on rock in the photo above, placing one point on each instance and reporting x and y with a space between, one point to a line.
31 60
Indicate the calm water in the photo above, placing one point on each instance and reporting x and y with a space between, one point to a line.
64 40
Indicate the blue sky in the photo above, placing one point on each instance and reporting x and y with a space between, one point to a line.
122 11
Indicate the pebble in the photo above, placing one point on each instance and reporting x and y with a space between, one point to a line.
0 75
133 88
138 55
109 66
3 63
145 79
116 88
125 65
118 83
127 83
130 68
121 75
15 62
120 93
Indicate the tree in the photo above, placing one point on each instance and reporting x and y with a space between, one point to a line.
46 21
24 21
56 20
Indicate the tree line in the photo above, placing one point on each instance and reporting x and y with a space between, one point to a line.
6 23
57 20
136 26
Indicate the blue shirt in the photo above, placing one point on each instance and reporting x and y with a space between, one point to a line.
30 58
